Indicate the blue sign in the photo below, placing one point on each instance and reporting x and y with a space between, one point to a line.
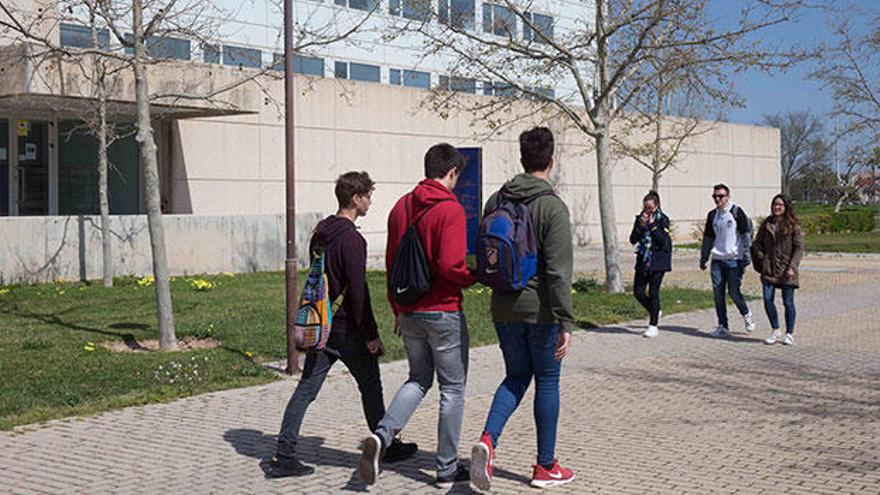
469 190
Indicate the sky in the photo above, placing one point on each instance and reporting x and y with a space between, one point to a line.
792 90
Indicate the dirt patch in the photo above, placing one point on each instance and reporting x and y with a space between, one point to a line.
186 344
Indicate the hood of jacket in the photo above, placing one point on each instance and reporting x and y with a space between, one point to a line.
524 186
428 193
331 228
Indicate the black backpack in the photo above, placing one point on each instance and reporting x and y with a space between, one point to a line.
410 276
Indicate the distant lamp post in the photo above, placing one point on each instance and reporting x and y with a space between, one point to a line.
290 196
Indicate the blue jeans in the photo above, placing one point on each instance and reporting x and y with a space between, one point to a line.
787 301
528 351
434 341
728 275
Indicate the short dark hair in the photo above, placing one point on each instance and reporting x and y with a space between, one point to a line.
536 149
350 184
721 186
652 195
440 159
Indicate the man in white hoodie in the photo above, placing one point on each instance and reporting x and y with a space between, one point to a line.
727 237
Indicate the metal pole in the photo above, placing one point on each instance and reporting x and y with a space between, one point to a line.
290 181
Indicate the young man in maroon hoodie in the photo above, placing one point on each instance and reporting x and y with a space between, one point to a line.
434 329
354 338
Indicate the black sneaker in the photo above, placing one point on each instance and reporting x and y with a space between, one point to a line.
460 475
371 452
399 451
283 468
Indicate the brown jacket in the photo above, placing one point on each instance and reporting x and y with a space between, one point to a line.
774 255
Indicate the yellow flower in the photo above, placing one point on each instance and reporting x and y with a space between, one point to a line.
249 354
228 274
201 285
573 291
3 292
146 281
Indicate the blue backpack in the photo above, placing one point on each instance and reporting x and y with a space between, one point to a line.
507 248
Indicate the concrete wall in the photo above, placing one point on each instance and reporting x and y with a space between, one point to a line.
41 249
235 165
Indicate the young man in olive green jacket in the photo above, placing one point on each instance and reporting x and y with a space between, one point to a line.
533 324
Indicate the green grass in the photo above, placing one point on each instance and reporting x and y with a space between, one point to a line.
854 242
804 208
50 367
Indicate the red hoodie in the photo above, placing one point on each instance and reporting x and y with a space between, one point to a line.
443 233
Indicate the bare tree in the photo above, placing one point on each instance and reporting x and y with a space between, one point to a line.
800 132
599 65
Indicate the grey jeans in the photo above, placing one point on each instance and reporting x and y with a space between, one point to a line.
434 341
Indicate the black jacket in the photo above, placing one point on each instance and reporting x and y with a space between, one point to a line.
346 268
661 243
743 226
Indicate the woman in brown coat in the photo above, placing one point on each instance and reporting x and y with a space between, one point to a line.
776 254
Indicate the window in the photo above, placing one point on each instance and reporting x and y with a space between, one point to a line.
419 10
211 53
238 56
499 20
543 23
312 66
409 78
547 93
462 84
358 4
457 13
357 72
164 47
76 36
498 89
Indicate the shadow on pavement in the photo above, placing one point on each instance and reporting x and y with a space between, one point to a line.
259 445
688 331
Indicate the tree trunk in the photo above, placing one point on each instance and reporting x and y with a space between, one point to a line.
839 203
107 245
147 145
613 278
655 181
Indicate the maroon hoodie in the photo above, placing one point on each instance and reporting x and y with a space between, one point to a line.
443 232
346 265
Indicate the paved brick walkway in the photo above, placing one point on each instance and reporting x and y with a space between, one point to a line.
678 414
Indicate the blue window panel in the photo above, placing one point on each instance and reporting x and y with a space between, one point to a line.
394 77
548 93
238 56
417 79
394 7
499 20
364 72
162 47
419 10
367 5
459 14
488 88
544 24
211 53
76 36
311 66
461 84
340 70
504 89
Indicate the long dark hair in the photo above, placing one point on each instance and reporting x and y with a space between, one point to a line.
789 219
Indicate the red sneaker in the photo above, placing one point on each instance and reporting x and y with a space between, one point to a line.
542 478
482 458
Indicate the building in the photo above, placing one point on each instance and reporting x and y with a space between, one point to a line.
222 160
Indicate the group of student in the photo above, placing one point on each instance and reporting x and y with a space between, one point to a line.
533 319
775 253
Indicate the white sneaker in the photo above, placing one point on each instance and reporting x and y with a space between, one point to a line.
749 322
651 332
789 339
774 337
720 332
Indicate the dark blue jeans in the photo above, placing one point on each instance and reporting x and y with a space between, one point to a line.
528 351
727 277
787 301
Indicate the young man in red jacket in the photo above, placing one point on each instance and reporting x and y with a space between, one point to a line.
434 329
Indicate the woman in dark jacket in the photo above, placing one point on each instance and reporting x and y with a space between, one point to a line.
776 255
650 235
